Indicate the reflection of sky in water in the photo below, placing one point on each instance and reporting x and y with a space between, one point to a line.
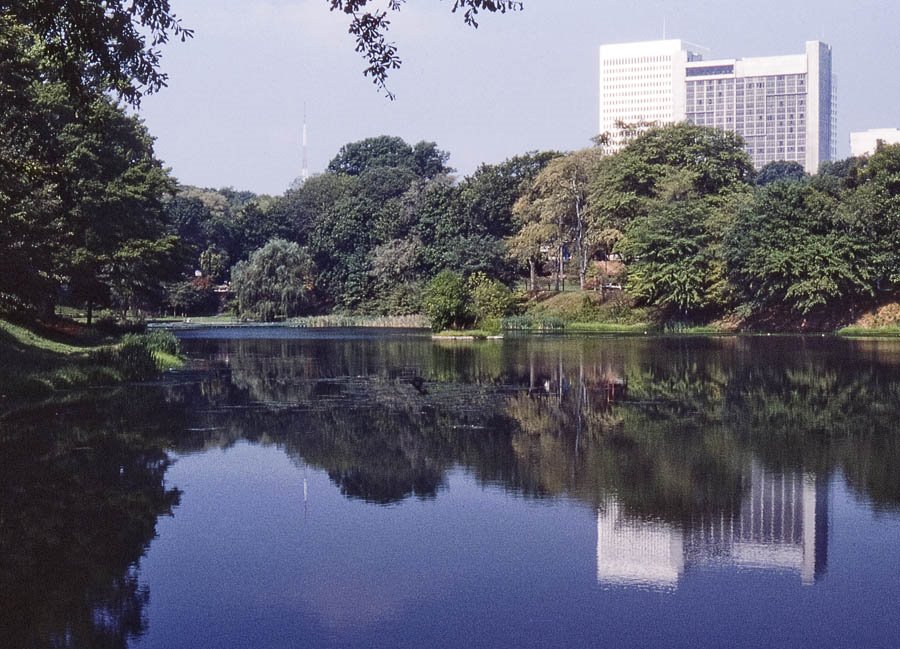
245 562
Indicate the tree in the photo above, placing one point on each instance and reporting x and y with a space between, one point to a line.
424 159
370 28
30 204
871 211
277 281
395 268
780 171
191 297
113 186
445 301
80 186
558 200
673 256
706 161
526 245
489 297
99 46
488 195
786 251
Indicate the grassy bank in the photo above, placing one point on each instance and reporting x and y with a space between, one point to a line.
467 334
855 331
609 328
583 312
38 359
311 322
337 320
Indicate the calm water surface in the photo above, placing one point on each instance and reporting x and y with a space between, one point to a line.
380 489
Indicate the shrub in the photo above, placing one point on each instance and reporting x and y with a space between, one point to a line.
518 322
490 298
161 340
133 358
445 301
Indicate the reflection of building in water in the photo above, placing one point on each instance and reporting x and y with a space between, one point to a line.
782 523
637 552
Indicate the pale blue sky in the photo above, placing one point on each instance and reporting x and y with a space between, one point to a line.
233 111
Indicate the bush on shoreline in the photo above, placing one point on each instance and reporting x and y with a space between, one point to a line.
34 362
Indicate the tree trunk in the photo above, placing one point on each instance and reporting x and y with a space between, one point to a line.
532 271
559 266
90 313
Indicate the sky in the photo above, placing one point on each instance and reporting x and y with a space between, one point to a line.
232 113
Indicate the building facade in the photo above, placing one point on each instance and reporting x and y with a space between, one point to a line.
783 106
868 142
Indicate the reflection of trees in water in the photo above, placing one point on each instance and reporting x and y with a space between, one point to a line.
80 493
667 425
670 429
822 414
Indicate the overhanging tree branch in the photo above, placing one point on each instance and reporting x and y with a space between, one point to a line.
370 29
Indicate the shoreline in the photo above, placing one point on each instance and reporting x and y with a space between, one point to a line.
575 328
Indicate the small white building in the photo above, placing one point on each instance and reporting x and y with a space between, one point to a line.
868 142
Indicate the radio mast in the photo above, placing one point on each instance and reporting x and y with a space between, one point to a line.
304 174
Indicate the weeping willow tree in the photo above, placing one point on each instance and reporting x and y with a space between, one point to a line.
276 282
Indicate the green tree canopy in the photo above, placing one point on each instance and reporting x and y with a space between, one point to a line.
786 250
780 171
556 204
705 161
30 201
674 257
424 159
277 281
98 46
872 212
113 187
80 188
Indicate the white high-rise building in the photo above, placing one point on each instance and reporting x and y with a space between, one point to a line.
783 106
867 142
641 83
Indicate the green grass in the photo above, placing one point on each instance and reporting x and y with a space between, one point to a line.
585 306
36 361
23 338
610 328
222 318
466 334
337 320
166 361
889 331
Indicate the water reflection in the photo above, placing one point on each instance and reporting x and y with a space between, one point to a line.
693 454
781 524
81 489
672 427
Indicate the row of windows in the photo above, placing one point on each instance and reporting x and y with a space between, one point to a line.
638 60
709 69
634 80
653 85
643 69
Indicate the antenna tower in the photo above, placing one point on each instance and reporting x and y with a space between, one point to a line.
304 174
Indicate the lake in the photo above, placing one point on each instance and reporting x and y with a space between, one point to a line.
373 488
